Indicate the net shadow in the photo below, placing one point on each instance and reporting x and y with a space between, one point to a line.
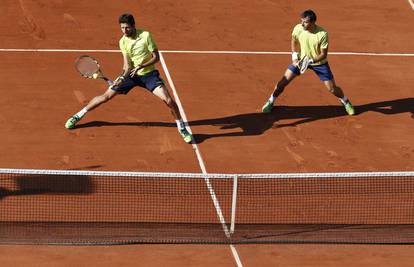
50 184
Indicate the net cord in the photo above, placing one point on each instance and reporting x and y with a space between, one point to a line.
208 175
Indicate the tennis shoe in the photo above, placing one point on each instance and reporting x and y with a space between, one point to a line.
267 108
188 138
349 108
70 124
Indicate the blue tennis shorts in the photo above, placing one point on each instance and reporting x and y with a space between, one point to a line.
149 81
323 71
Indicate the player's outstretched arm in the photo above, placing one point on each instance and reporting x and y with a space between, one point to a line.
295 47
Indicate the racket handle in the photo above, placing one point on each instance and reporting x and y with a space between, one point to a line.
110 83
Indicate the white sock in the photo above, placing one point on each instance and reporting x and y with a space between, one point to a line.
81 113
180 124
343 100
272 98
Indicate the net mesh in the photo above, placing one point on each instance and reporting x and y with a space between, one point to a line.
68 207
86 66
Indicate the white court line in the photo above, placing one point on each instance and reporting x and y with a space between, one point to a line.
288 53
379 54
201 162
411 2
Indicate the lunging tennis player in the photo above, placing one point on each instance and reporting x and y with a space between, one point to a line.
312 41
140 53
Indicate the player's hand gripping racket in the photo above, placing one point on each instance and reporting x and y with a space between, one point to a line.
88 67
304 64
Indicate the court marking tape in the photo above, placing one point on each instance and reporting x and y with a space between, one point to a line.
379 54
201 162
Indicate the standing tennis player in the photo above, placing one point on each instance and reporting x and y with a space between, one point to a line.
309 39
140 53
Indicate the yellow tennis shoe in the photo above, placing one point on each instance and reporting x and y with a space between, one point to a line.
349 108
188 138
267 107
70 124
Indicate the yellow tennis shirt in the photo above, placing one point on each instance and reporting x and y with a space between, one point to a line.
311 43
139 49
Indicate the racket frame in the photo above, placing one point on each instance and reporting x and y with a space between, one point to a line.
99 72
304 64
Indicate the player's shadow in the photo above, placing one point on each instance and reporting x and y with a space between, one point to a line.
257 123
139 124
250 124
48 184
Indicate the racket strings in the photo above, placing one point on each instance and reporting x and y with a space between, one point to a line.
303 64
87 66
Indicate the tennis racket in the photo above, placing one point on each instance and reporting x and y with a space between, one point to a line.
304 64
89 67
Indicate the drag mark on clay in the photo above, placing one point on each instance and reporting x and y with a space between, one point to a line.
65 159
293 141
299 160
79 96
69 20
166 145
30 25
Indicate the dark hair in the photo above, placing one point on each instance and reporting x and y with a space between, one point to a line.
127 18
309 13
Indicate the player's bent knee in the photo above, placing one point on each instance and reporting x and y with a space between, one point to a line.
335 90
169 101
280 86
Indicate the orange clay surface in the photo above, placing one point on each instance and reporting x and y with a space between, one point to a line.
221 94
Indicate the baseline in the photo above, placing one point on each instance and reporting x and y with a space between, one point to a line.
384 54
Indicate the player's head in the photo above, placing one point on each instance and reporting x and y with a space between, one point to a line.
127 23
308 19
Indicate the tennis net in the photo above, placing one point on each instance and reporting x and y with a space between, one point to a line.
83 207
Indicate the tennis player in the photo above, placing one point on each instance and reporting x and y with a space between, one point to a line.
309 39
140 53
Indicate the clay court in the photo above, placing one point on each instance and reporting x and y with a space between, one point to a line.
221 59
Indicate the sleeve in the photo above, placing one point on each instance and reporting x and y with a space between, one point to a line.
152 46
324 41
295 32
122 46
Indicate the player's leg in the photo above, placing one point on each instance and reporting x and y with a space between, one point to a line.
326 76
289 75
94 103
337 91
153 82
162 92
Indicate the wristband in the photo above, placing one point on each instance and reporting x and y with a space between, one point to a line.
295 56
